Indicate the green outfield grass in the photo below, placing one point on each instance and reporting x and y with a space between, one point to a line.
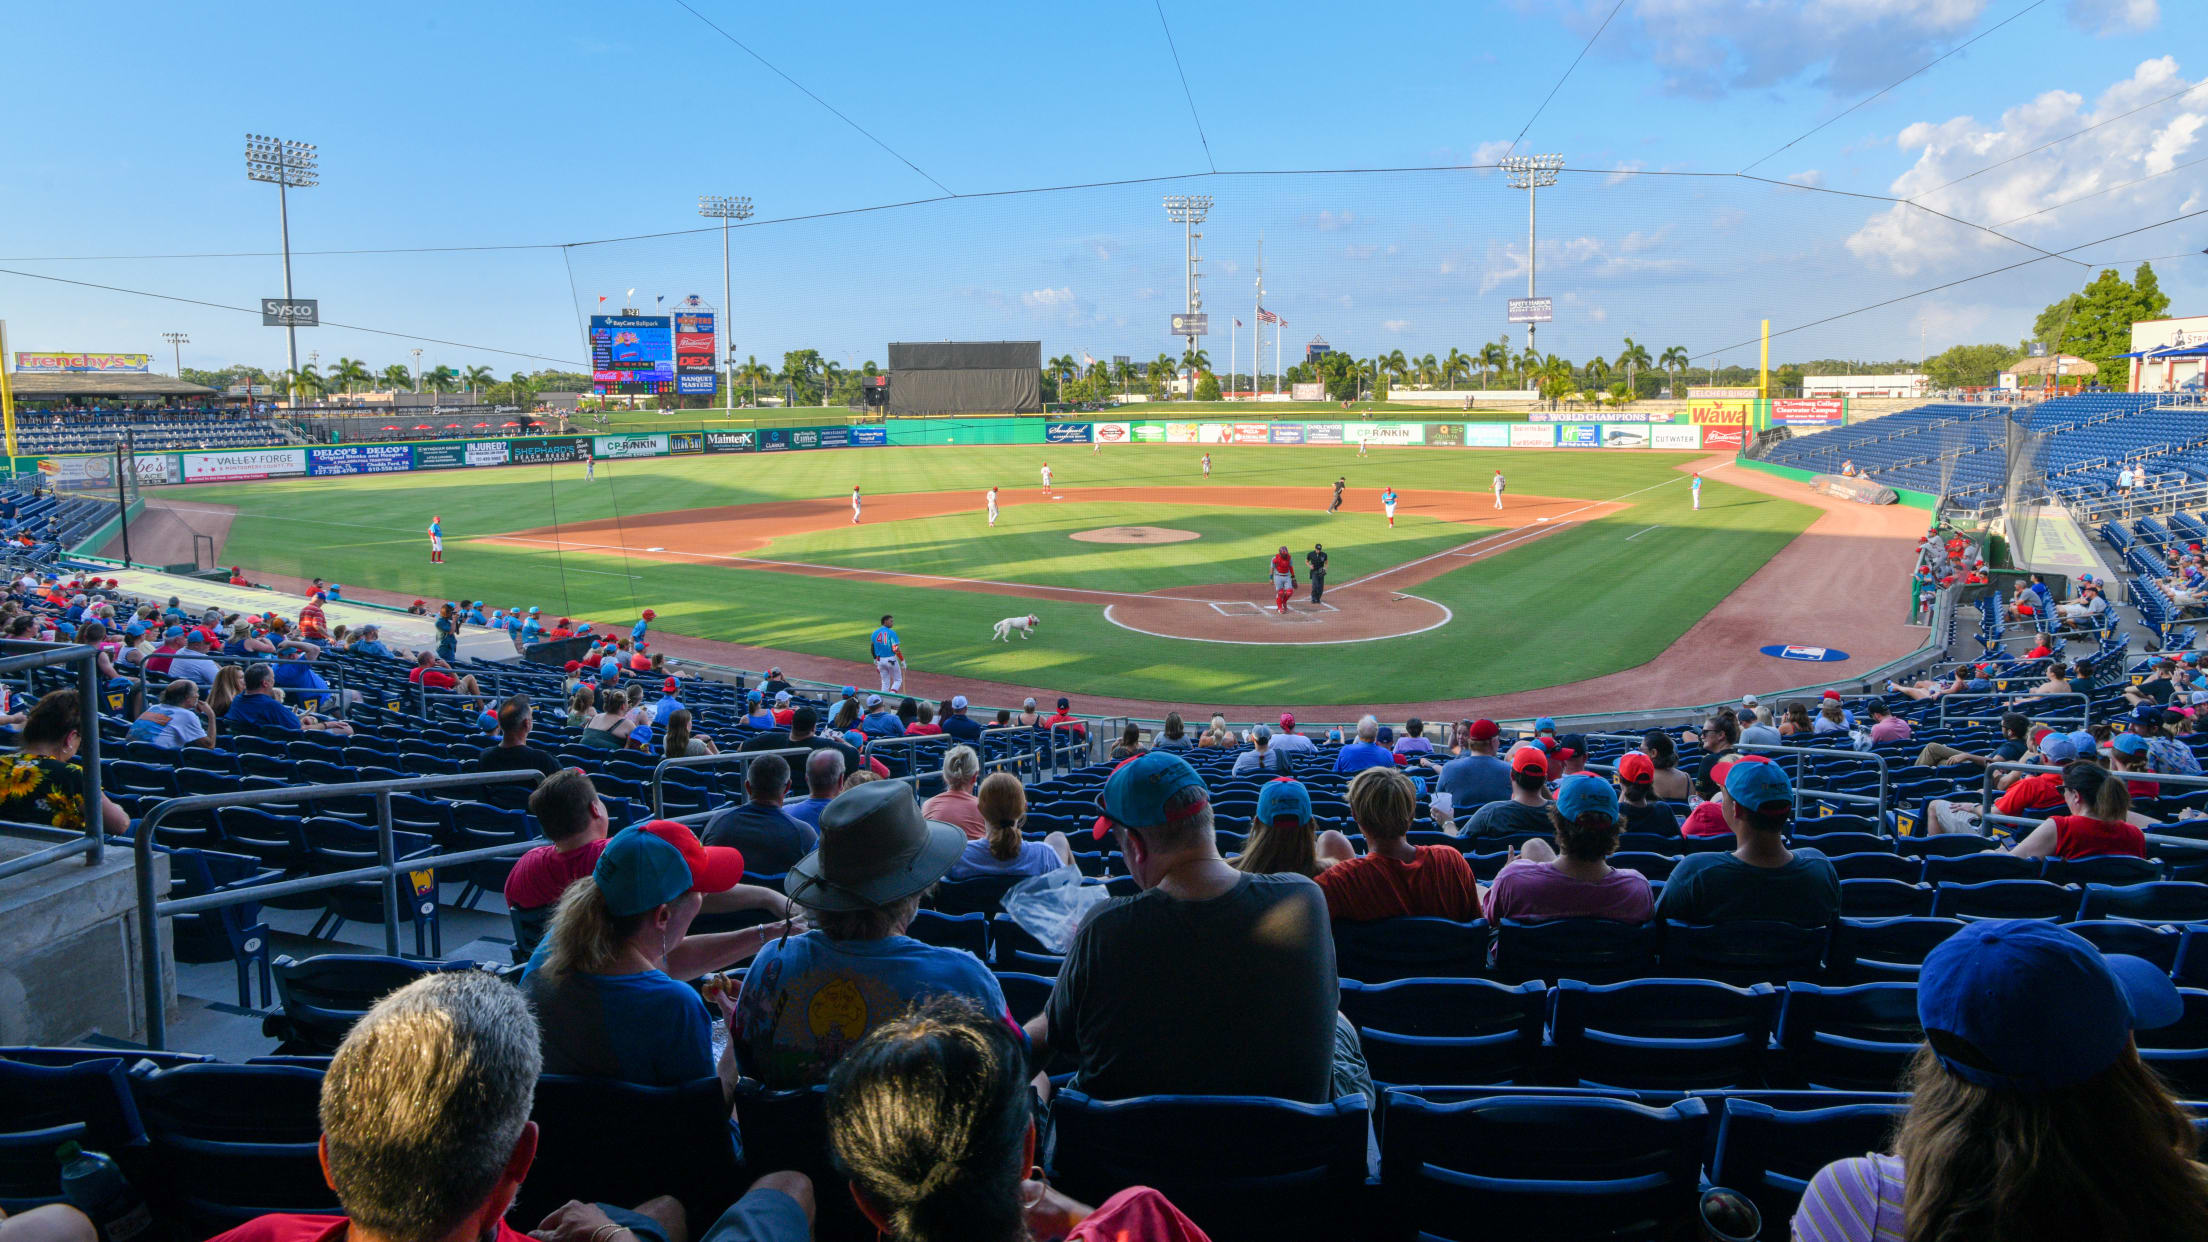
1590 600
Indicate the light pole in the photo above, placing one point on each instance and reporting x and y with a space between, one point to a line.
288 166
177 341
1188 211
417 369
724 208
1530 173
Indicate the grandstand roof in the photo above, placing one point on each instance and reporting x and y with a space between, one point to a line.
2071 364
37 386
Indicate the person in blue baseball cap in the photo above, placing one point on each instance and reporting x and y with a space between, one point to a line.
1574 880
1284 839
1209 981
2031 1115
1761 879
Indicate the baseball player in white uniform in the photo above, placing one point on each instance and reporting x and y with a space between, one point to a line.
854 504
1046 476
992 506
1498 489
590 466
1022 624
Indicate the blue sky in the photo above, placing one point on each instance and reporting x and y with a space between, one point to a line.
504 123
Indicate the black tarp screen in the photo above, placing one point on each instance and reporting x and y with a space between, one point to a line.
965 377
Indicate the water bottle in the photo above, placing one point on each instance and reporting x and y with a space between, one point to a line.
96 1187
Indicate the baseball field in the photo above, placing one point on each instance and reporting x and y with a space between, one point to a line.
1148 580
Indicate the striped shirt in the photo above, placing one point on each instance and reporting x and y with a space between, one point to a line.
1853 1200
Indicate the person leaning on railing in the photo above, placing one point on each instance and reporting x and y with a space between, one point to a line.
42 783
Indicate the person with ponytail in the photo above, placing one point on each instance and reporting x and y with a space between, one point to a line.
931 1117
1001 849
2099 821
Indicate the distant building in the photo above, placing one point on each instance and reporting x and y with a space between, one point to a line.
2169 355
1908 387
1317 349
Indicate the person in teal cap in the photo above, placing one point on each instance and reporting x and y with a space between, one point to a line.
1761 879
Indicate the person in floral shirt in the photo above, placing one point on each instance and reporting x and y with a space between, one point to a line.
40 784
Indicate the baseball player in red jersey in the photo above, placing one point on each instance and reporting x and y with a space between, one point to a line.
1284 579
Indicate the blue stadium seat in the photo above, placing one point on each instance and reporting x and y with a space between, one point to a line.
1556 1167
2154 942
44 1106
227 933
2161 901
1434 1032
1589 950
2179 1052
1856 1038
2106 869
1243 1167
1870 950
1878 865
617 1142
321 997
1770 1153
952 931
2005 899
1025 995
1410 948
230 1142
982 895
1980 867
1878 898
1661 1034
1750 951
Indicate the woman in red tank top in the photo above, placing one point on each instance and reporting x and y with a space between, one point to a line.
2099 821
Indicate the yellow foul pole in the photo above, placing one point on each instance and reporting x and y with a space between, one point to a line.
1763 365
7 392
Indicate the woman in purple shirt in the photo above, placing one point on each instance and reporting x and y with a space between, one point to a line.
1574 880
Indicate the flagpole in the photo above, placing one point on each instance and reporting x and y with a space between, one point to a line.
1257 325
1236 323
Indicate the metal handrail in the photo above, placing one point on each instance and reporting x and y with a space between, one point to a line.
151 907
1800 753
23 656
731 758
1986 813
2009 701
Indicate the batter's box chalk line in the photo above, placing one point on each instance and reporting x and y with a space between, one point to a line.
1235 608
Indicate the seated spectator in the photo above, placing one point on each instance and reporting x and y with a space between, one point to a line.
1216 736
172 645
807 999
1365 752
879 721
783 711
1261 757
1002 850
1174 735
680 742
1129 744
1886 727
432 671
957 804
1169 990
1756 729
1707 818
1413 741
258 706
2032 794
1289 742
1527 808
932 1118
2159 726
369 642
41 782
845 724
177 721
959 725
775 684
1796 722
1476 777
1668 783
1637 805
1761 878
923 724
599 982
573 818
2099 821
229 684
1064 719
823 780
2014 727
426 1135
768 836
608 726
1574 880
1396 879
1284 839
193 664
513 753
668 704
2031 1117
2128 753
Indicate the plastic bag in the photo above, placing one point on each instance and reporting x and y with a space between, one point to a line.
1050 906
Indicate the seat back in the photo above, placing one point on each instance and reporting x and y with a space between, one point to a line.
1856 1038
1770 1155
1410 948
2004 899
1590 950
1661 1034
44 1106
1869 950
2161 901
320 998
231 1142
983 895
952 931
1432 1032
1750 951
1243 1167
617 1142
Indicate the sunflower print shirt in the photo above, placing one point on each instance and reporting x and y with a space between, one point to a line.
38 790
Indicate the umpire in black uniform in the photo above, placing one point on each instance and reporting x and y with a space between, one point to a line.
1316 559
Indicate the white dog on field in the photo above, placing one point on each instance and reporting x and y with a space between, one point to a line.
1022 624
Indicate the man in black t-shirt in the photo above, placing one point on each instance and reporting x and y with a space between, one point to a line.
513 752
1316 560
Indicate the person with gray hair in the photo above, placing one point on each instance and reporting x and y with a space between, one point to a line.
957 803
770 838
1261 757
1366 751
426 1135
823 777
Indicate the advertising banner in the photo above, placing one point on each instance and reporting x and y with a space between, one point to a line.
1287 433
1149 433
632 349
1675 437
1214 433
869 437
1323 433
244 464
1734 438
1533 435
731 441
1725 413
90 473
1385 433
82 362
832 437
1180 433
1114 433
360 459
1625 435
1307 392
155 469
1582 412
1252 433
774 439
1066 433
694 344
1814 412
1579 435
804 437
685 443
545 449
1450 435
453 456
1486 435
609 447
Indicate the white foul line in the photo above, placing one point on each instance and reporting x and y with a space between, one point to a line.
1463 548
1637 534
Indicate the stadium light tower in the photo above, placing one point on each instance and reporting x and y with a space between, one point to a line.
288 166
724 208
1188 211
1530 173
177 341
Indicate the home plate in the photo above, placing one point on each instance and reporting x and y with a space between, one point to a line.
1540 519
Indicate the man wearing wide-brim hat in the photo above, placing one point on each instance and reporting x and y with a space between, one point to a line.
1209 981
807 999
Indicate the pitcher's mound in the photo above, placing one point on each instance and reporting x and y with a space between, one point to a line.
1135 534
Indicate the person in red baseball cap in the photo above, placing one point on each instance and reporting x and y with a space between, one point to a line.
1706 819
1527 808
1638 808
1289 742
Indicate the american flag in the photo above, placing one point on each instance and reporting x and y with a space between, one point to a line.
1237 323
1266 316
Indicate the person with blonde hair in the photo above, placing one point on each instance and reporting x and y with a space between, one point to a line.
1002 850
956 804
1216 736
1396 879
229 684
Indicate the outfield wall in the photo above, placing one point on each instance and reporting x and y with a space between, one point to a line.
338 460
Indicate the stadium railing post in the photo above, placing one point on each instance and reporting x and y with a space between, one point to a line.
735 758
21 657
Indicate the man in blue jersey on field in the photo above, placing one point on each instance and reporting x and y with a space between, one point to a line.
889 656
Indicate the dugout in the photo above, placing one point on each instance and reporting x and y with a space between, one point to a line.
965 377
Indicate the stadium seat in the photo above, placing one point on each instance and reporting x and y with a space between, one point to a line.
2179 1052
2155 942
1856 1038
1440 1032
1410 948
617 1142
1980 867
1025 995
1589 950
952 931
1556 1167
1770 1153
1245 1168
320 998
2116 869
44 1106
2005 899
227 933
1661 1034
1878 865
2162 901
229 1142
1752 951
1878 898
1870 950
983 895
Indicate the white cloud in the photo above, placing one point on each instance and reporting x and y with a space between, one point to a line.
1624 173
1710 47
1335 221
1397 326
1579 258
1047 299
2027 196
1490 152
1227 267
2116 16
1811 177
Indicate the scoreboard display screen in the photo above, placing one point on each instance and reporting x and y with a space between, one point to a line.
632 349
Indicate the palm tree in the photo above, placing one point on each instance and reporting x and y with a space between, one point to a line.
1062 368
350 373
830 375
396 377
1428 370
304 382
1395 365
1552 373
1493 356
1529 364
1674 358
1633 360
754 373
440 379
1598 371
1458 365
1196 359
1123 372
1161 373
475 376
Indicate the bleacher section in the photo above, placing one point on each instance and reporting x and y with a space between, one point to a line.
1961 451
98 432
